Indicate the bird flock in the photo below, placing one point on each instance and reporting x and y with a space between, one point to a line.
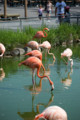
34 61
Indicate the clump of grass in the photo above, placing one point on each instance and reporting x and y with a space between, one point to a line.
63 33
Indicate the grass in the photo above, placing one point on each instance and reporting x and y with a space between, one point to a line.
63 33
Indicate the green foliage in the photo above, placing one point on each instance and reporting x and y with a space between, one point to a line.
63 33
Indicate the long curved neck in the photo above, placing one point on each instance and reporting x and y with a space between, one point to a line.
51 54
43 67
44 33
38 70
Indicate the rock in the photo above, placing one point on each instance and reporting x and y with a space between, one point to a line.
18 52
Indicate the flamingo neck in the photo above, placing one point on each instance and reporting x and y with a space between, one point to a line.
44 33
38 70
51 54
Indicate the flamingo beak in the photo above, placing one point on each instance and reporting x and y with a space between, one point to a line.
48 30
52 87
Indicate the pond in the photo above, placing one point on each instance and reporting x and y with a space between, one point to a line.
18 100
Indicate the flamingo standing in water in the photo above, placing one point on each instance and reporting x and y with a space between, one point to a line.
35 63
47 46
2 49
33 45
37 54
53 113
67 53
41 34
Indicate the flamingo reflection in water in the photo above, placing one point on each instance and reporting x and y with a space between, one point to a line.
35 89
47 67
35 63
67 81
2 74
30 115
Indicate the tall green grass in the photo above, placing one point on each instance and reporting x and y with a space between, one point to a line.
63 33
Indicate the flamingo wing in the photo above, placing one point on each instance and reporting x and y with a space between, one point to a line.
32 62
39 34
35 53
55 113
46 45
33 44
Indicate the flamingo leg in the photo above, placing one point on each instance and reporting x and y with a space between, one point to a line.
33 74
1 61
40 40
64 61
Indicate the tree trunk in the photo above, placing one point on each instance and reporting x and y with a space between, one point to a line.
25 8
5 8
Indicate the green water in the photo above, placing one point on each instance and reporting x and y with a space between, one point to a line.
18 101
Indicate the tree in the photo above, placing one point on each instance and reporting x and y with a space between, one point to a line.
25 8
5 8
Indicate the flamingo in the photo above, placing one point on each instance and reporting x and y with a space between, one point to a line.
40 34
37 54
52 113
33 45
35 63
2 49
67 53
47 46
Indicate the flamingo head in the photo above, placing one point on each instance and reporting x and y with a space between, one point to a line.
39 116
46 29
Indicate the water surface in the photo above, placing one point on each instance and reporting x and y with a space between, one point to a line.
18 100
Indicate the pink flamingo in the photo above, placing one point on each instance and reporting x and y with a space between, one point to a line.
47 46
37 54
2 49
53 113
41 34
33 45
35 63
67 53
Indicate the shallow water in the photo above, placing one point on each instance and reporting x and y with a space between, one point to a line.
18 100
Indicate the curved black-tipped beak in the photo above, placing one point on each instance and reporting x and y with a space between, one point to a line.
52 88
